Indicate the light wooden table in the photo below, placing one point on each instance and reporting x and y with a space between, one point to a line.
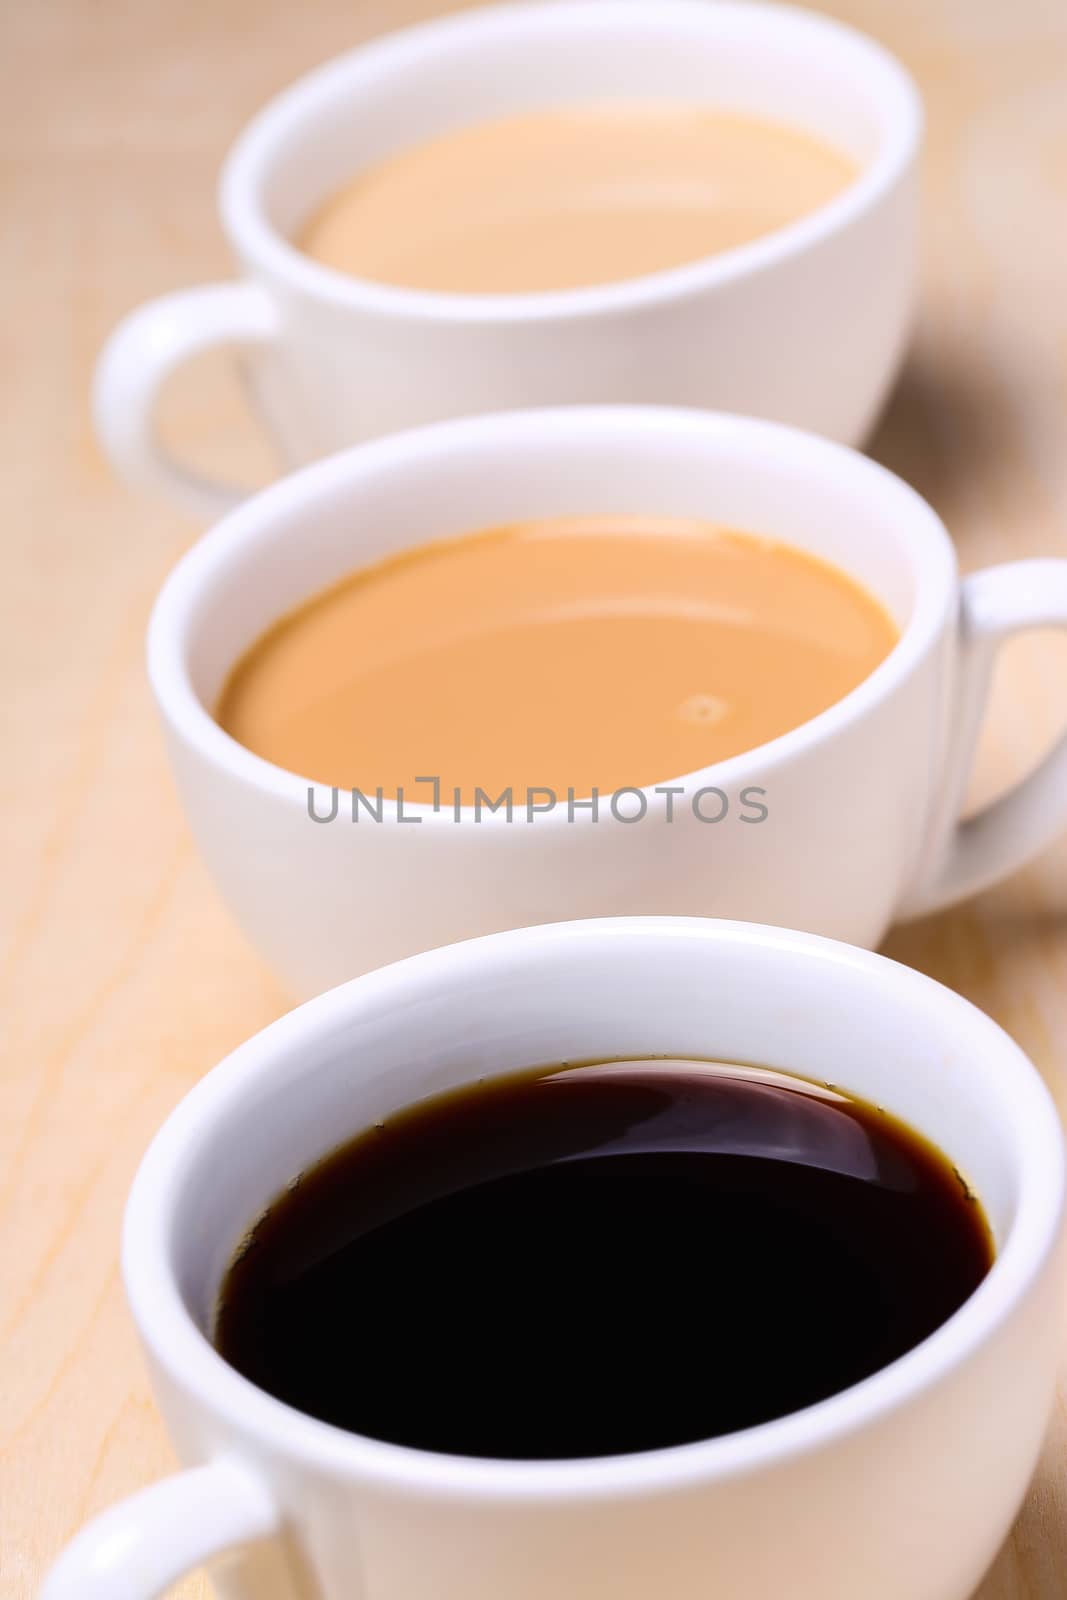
121 979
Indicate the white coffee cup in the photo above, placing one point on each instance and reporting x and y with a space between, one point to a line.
901 1486
862 802
806 325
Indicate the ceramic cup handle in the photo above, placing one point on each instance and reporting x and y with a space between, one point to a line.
968 856
139 1548
136 362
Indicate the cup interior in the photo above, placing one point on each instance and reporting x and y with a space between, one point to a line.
766 60
580 991
296 538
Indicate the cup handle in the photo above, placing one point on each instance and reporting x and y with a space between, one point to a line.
140 356
137 1549
966 857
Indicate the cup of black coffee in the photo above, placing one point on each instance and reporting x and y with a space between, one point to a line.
623 1258
638 1234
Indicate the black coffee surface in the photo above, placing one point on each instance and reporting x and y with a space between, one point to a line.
600 1260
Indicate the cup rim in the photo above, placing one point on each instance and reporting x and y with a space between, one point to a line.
194 1365
927 545
255 238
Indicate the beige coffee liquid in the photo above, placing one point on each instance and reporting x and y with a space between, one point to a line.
589 653
566 198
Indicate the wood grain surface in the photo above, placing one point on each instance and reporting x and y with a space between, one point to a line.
121 979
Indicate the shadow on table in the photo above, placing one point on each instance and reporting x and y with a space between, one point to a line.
946 429
994 951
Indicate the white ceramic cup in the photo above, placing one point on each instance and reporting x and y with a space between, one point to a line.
806 325
862 803
899 1488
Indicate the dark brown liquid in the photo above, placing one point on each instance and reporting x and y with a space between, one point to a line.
600 1260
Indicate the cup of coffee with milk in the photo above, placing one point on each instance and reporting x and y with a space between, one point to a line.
607 201
581 662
